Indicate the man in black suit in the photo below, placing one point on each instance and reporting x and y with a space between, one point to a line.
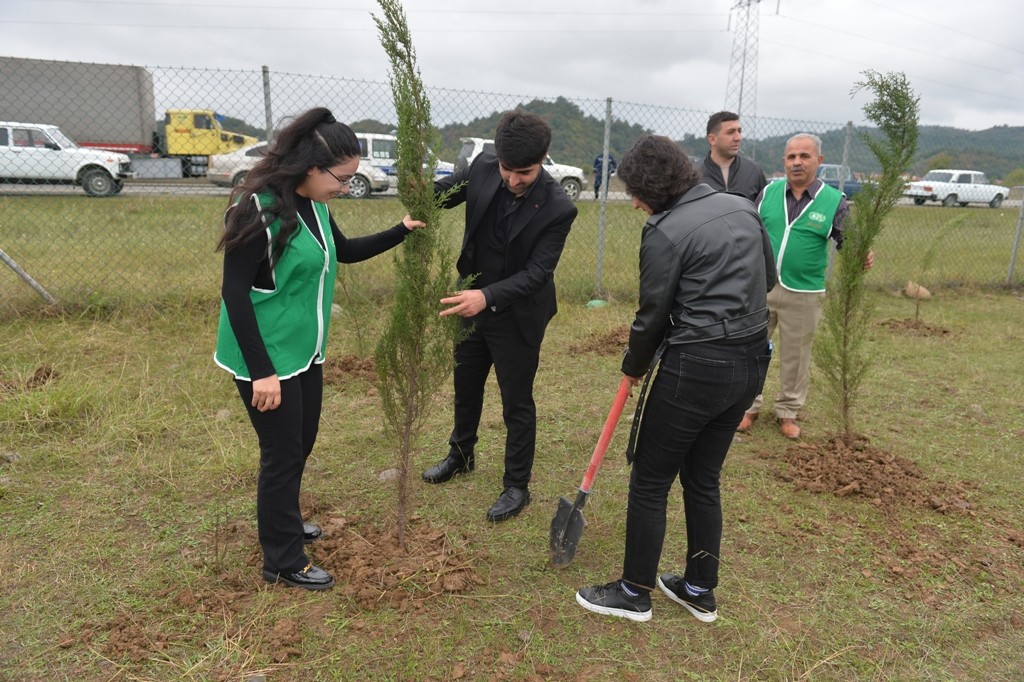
517 220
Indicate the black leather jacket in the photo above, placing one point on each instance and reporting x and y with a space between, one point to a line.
706 267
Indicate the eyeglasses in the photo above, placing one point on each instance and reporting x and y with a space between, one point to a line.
343 183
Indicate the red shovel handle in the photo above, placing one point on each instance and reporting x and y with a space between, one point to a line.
606 434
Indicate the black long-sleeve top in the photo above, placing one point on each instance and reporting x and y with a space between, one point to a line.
246 266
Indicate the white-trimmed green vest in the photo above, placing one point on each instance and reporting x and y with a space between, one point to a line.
294 316
800 247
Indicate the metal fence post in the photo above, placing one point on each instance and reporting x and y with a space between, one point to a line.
602 211
268 110
27 278
1016 242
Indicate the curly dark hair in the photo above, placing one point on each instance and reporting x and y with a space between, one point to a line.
521 139
313 139
657 172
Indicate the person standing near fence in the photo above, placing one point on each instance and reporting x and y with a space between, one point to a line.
517 221
281 250
724 168
801 215
599 172
701 331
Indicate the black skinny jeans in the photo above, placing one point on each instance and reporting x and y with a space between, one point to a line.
286 436
696 401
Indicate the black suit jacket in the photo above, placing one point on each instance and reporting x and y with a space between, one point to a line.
537 234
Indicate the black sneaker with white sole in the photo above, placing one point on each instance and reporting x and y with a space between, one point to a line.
612 600
702 606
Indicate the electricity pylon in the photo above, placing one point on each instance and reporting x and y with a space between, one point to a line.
741 88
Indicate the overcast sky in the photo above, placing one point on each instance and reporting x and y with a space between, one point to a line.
964 59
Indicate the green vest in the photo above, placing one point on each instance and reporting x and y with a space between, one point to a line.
294 316
800 247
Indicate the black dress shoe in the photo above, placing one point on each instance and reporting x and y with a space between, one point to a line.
448 468
509 504
311 578
310 532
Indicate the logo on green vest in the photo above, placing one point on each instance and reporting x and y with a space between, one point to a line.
817 217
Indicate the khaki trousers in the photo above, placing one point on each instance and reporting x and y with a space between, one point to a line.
796 315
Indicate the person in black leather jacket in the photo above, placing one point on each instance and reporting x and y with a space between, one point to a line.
701 331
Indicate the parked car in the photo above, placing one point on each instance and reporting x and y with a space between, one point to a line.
39 153
953 187
381 150
830 173
229 170
571 178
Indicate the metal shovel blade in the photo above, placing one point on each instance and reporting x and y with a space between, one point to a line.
567 529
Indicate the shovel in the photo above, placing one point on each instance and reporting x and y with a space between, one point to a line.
567 526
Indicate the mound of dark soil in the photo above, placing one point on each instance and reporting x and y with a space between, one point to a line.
608 343
887 480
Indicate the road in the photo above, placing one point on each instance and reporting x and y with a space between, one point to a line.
200 187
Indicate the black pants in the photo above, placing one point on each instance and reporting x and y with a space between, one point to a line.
286 436
496 340
696 401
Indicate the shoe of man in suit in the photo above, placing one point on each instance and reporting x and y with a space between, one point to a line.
448 468
310 532
509 504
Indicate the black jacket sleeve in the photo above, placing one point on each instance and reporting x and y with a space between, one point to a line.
660 268
358 249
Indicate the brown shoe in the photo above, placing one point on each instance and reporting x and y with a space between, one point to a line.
789 428
747 422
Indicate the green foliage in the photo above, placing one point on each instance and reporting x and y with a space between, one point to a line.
940 160
1014 178
839 349
414 354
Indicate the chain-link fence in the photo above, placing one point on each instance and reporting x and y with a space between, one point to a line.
77 224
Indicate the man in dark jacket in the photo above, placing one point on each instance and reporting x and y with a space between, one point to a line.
517 220
724 168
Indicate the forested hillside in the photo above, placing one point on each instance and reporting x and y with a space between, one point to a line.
578 138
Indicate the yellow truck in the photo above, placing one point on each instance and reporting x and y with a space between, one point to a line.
196 134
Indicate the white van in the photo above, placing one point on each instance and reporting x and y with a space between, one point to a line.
381 150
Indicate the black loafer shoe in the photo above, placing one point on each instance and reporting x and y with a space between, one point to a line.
310 532
509 504
448 468
310 578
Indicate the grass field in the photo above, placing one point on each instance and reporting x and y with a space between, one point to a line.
97 252
127 477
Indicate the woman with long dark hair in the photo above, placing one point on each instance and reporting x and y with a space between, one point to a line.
281 250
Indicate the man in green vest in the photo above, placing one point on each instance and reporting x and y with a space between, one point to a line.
800 215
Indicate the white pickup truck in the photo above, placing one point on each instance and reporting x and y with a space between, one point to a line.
953 187
37 153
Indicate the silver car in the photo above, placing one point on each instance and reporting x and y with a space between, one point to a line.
229 170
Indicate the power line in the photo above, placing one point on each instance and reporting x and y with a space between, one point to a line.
789 46
901 46
367 29
958 31
292 8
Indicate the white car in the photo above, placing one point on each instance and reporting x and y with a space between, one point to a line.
38 153
381 151
229 170
953 187
571 178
